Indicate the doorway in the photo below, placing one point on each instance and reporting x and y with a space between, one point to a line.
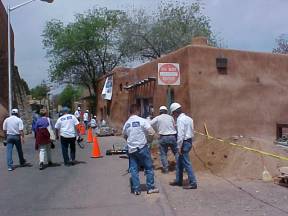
146 106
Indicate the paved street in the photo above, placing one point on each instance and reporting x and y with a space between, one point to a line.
101 187
92 187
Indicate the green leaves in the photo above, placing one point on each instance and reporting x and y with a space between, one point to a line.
85 49
40 91
69 95
282 44
171 27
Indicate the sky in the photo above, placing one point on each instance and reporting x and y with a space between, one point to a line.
242 24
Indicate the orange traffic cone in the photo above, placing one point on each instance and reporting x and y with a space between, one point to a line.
96 149
90 136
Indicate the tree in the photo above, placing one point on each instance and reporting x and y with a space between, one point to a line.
84 50
69 95
282 44
171 27
40 91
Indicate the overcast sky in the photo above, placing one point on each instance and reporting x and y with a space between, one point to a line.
243 24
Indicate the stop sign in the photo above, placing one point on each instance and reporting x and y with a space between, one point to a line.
168 74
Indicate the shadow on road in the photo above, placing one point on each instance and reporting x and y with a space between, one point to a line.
78 162
22 166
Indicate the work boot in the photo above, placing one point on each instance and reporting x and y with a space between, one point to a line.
50 163
153 190
41 166
192 186
67 164
24 163
137 193
174 183
10 169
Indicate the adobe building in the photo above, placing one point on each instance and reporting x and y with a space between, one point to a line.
19 99
234 92
3 65
4 56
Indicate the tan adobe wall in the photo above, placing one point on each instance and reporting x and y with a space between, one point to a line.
3 57
249 100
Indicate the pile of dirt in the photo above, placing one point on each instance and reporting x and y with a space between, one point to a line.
229 161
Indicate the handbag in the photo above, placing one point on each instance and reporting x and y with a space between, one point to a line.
52 145
49 128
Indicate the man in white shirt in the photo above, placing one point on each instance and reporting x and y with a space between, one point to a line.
165 126
13 130
77 113
66 126
185 135
135 131
86 119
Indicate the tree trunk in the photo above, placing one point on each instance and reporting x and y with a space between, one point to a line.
94 97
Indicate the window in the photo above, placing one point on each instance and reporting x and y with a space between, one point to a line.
221 64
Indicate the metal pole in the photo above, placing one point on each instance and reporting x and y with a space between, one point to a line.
9 63
20 5
48 104
10 71
169 99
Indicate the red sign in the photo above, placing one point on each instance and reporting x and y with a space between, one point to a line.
168 74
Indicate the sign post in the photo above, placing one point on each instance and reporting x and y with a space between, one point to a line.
168 74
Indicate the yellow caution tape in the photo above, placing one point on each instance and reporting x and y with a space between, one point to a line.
206 130
241 146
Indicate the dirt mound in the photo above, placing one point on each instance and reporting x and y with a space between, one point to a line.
229 161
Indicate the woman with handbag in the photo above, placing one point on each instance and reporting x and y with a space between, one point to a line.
43 141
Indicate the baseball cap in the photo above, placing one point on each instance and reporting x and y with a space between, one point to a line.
14 111
65 110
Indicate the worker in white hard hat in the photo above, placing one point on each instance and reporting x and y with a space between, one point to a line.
185 134
164 124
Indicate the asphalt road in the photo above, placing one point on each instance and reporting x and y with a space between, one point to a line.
92 187
100 187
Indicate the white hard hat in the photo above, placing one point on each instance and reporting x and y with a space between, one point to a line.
163 108
174 106
14 111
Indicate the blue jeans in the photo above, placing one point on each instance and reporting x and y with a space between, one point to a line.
166 142
86 124
184 163
141 157
65 143
11 141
